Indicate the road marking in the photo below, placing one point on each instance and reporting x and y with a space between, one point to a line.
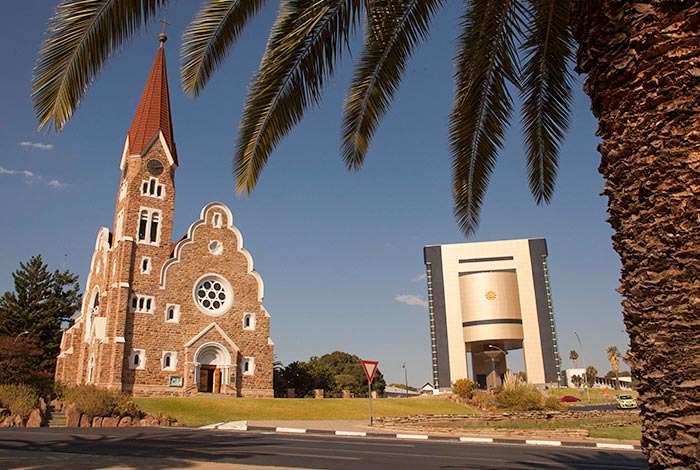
411 436
476 439
291 430
605 445
351 433
536 442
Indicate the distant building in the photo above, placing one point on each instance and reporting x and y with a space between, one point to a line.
427 389
397 392
161 317
485 299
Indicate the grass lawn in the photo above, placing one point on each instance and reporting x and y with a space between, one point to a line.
597 428
198 411
597 395
631 432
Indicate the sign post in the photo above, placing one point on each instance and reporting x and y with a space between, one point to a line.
370 368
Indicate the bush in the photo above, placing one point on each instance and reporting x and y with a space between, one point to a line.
19 399
463 388
516 395
94 401
553 403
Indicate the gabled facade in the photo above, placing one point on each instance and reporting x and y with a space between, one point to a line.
162 318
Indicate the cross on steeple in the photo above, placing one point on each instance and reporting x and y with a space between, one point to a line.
162 37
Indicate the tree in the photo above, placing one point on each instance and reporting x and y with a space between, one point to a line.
641 77
573 355
614 356
344 366
42 302
20 364
591 375
577 380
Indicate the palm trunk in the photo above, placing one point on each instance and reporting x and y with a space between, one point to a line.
643 65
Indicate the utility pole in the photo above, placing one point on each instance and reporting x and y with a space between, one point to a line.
405 376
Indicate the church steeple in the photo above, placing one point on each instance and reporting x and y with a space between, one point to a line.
153 113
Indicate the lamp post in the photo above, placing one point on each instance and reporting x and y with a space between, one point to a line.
405 376
17 337
493 360
585 375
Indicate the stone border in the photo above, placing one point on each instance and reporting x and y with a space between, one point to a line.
243 426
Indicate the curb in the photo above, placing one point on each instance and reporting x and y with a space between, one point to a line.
243 426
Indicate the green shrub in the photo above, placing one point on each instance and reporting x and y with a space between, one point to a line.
552 403
463 388
19 399
516 395
94 401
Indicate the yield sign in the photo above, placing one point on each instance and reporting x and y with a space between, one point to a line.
370 368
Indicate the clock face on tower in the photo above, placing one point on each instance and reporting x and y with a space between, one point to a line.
154 167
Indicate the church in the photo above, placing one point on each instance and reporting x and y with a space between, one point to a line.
164 318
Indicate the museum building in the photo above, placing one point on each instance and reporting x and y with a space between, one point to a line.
164 318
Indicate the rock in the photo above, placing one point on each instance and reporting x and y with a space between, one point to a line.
125 422
163 421
34 420
6 423
57 404
42 404
85 421
151 421
72 416
318 393
110 422
17 421
97 422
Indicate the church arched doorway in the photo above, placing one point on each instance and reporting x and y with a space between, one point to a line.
212 364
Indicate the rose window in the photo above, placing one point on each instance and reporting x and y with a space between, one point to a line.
213 295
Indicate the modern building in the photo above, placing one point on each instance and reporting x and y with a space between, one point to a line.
487 299
161 317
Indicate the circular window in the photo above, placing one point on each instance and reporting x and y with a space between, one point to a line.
213 295
216 247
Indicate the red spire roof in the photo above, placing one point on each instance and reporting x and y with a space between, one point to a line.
153 112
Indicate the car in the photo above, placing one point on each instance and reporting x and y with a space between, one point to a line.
569 399
626 402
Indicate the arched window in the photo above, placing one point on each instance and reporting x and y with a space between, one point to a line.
169 361
149 221
91 368
137 359
172 313
249 321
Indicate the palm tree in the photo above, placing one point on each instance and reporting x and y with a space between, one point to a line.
573 355
642 78
614 356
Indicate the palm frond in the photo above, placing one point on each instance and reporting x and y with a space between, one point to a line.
306 40
208 39
83 35
486 61
394 31
546 91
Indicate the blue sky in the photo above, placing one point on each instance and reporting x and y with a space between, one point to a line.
340 254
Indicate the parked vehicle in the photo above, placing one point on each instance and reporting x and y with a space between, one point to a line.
569 399
626 402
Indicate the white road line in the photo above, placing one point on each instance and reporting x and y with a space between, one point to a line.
535 442
605 445
351 433
476 439
411 436
291 430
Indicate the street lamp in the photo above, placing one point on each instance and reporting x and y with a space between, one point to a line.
17 337
493 360
405 376
585 370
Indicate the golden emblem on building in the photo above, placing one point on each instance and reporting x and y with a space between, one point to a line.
490 295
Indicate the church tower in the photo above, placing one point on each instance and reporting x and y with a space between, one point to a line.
164 318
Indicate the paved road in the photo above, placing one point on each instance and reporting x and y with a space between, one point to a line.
159 449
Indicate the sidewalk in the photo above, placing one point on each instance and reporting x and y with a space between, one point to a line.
362 429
